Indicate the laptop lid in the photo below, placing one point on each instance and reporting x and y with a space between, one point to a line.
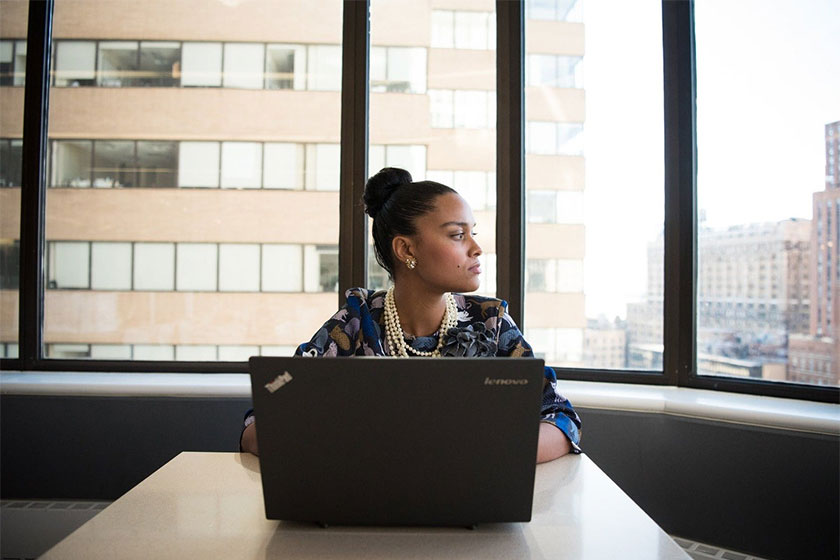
385 441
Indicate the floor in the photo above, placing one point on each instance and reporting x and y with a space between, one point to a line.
700 551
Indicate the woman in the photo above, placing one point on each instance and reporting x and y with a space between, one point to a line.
423 236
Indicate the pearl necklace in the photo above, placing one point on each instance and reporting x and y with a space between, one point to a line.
396 336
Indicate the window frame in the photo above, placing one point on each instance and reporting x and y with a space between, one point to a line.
680 253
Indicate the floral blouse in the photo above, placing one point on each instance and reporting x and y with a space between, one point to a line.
484 329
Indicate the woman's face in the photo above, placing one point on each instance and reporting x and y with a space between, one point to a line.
445 247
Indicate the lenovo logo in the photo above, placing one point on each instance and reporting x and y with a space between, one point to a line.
278 382
488 381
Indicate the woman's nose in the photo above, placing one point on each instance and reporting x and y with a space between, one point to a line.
476 248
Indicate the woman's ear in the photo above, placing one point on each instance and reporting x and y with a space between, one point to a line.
403 248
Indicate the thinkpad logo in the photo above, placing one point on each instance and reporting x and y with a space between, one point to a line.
278 382
488 381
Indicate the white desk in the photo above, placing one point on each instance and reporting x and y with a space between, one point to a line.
209 505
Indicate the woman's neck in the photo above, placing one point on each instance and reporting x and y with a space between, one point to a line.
420 309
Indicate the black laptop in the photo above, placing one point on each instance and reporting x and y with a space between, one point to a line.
389 441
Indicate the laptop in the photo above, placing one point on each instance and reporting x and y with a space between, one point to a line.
389 441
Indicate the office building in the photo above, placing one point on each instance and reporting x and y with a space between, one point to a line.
753 292
193 166
814 355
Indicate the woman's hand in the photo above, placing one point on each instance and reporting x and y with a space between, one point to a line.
249 439
553 443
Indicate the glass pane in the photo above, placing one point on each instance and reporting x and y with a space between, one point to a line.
12 71
596 208
160 64
118 63
244 65
432 104
157 164
768 191
178 213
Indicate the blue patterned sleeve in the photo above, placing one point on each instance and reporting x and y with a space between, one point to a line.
556 409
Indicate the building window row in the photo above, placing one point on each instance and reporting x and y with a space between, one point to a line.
552 70
463 30
554 275
228 165
477 187
462 108
192 267
151 163
165 352
555 207
12 62
554 138
79 63
9 264
11 160
555 10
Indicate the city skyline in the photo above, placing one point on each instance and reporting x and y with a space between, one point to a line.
759 129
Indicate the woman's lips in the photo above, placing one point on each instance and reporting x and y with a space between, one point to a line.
475 269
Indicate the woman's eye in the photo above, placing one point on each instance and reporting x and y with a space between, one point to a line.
459 235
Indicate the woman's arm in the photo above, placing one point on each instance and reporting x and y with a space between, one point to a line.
248 442
553 443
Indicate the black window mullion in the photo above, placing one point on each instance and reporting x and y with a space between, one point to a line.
680 325
352 241
33 181
510 169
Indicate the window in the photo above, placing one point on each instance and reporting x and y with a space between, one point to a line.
157 164
572 256
196 269
241 165
443 29
282 268
75 63
554 138
11 152
324 71
765 332
442 105
285 67
283 166
12 62
398 70
114 164
160 64
201 64
320 272
463 30
557 10
239 267
110 266
555 71
118 63
69 264
198 164
9 264
259 177
71 163
323 167
154 266
244 65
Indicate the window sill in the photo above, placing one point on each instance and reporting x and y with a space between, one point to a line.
789 414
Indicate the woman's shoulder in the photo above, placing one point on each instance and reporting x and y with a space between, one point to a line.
481 306
366 296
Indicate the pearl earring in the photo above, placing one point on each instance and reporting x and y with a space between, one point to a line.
410 263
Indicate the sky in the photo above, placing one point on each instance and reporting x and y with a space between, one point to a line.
768 81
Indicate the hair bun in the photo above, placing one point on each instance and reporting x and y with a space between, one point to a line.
381 186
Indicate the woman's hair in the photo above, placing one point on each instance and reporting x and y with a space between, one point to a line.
395 202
